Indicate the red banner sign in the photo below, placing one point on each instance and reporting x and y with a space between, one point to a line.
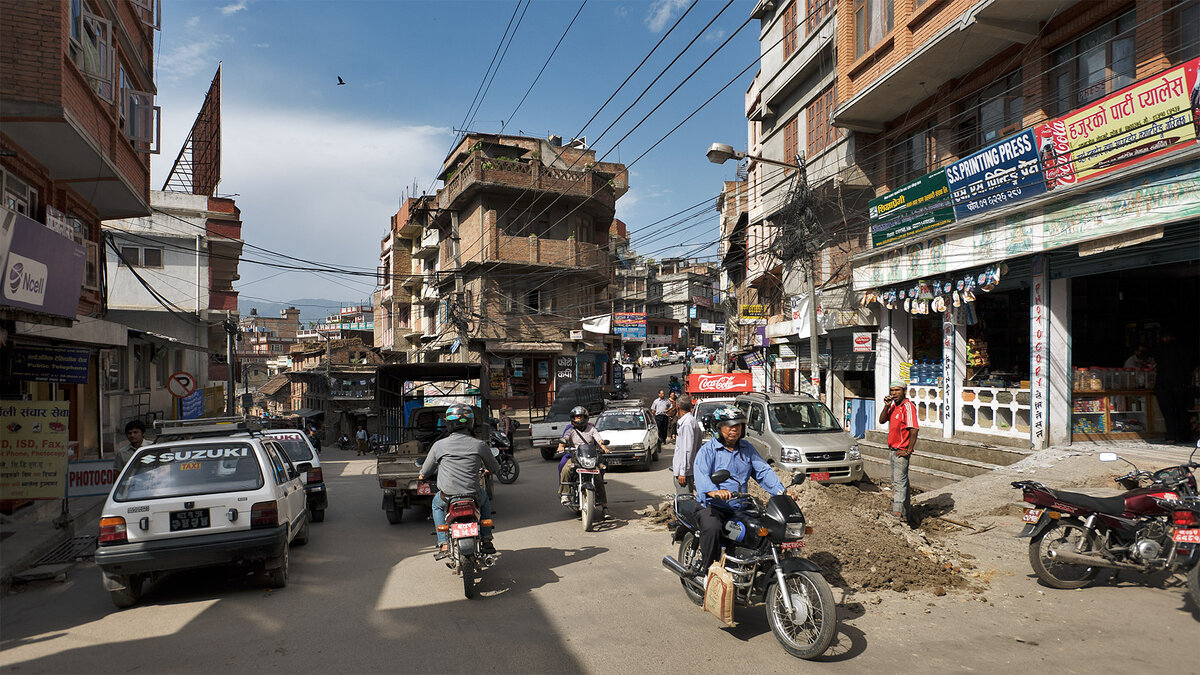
720 383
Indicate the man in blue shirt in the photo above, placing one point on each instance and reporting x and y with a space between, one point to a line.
729 451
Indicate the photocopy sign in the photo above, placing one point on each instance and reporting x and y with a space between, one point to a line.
33 449
997 175
564 371
920 206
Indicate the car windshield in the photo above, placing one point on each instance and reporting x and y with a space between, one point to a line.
620 421
294 444
706 408
798 417
157 472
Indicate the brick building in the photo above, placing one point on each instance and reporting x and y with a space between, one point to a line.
77 130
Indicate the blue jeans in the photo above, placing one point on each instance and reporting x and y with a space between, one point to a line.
439 514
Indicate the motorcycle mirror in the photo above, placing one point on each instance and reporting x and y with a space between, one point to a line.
720 476
1108 457
797 478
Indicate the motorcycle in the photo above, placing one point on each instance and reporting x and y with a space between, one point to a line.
509 469
344 442
581 498
762 544
1073 536
1185 533
464 527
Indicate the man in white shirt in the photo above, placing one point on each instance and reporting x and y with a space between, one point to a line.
659 408
688 437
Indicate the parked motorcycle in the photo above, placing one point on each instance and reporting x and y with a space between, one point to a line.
344 442
581 498
1185 533
509 469
1074 536
762 544
464 527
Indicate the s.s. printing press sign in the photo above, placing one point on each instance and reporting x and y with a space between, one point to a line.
999 174
920 206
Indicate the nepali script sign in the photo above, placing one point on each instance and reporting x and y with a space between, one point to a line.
999 174
920 206
630 325
1137 123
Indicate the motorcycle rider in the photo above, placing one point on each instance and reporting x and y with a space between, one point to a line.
581 432
727 450
457 458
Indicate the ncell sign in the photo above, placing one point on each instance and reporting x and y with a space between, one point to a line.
43 270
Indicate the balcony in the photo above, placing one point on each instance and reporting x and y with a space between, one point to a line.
225 301
428 245
479 173
541 252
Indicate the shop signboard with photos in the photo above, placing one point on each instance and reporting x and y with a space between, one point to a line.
1144 120
918 207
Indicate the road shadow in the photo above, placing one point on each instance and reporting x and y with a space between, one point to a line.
848 641
934 507
524 570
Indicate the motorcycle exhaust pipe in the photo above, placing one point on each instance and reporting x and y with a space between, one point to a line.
1073 558
682 572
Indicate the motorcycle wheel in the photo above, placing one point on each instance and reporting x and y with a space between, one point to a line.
1062 534
810 636
509 469
588 510
1193 582
689 557
466 567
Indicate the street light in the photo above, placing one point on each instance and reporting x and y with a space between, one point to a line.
719 153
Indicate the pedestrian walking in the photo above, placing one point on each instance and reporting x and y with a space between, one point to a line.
659 408
688 437
900 414
637 370
360 438
672 415
508 425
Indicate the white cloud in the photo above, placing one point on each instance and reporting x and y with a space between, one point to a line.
661 12
714 35
262 45
234 7
621 11
192 22
185 60
321 187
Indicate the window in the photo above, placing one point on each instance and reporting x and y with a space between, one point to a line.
152 257
756 418
112 365
912 156
1096 64
1187 43
818 124
18 195
817 11
789 30
791 142
130 256
92 49
142 122
141 366
872 21
162 367
994 113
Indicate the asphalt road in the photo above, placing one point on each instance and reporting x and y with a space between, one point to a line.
366 596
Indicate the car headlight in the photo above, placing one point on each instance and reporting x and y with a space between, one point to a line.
587 462
789 454
854 453
793 531
639 446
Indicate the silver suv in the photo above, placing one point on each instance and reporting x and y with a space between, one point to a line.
799 434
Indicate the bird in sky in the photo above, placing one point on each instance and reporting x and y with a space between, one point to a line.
340 81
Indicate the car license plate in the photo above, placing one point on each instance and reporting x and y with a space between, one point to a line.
588 470
819 475
423 488
1188 536
791 544
1032 515
192 519
460 530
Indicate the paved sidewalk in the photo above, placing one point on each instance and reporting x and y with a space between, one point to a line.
35 530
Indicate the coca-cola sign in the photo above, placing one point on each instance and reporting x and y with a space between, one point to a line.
722 383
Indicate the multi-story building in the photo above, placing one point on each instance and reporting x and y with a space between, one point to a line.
76 134
733 207
266 338
523 257
686 295
333 381
357 321
1035 222
170 280
407 297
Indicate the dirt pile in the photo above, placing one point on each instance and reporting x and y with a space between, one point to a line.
859 545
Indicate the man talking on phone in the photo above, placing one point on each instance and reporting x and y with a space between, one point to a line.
900 414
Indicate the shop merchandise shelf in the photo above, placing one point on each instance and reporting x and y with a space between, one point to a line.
1114 414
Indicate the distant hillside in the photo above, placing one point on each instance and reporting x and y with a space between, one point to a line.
311 309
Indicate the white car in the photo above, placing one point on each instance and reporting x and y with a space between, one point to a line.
202 495
632 437
299 449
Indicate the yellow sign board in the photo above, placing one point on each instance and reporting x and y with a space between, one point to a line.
33 449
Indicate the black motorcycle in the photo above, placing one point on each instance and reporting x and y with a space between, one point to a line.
762 544
509 469
581 498
464 526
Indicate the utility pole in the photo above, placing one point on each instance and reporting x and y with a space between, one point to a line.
326 409
231 333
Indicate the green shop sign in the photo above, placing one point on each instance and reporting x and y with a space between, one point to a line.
920 206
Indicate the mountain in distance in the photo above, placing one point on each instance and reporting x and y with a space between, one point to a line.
311 309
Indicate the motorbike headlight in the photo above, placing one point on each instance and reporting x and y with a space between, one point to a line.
639 446
854 453
794 531
587 462
789 454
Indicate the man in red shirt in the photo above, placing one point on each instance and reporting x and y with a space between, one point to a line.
900 414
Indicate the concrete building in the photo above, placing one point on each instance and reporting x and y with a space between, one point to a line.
266 337
1037 182
78 127
685 293
405 302
356 321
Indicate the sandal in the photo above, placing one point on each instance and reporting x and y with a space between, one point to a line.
442 553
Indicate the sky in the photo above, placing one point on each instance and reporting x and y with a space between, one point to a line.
319 169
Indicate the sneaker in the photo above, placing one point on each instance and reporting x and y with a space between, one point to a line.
442 553
487 547
605 515
564 500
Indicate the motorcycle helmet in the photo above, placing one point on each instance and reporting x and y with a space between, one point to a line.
459 417
579 411
726 416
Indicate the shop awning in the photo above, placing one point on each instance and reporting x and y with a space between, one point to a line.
544 347
303 412
90 331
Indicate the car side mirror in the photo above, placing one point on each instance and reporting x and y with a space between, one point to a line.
1108 457
720 476
304 467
